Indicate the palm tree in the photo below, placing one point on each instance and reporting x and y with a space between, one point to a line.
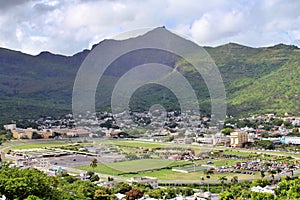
222 180
262 174
94 163
235 179
273 172
208 173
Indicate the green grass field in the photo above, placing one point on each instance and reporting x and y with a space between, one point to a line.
243 152
167 174
139 166
136 144
151 145
102 169
130 166
220 162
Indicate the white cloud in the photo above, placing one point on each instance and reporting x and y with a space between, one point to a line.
68 26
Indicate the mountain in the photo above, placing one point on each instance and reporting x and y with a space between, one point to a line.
257 80
260 80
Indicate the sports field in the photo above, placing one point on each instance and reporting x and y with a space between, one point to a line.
130 166
135 144
151 145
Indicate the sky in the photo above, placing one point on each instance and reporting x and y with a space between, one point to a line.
69 26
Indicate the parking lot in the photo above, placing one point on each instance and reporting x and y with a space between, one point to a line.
83 160
251 167
62 158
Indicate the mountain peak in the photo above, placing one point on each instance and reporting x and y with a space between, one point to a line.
233 45
283 46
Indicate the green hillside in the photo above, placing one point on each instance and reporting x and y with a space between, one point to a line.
261 80
257 80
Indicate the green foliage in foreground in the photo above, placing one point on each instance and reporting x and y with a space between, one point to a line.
31 184
16 183
287 189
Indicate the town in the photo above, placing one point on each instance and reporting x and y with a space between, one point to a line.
180 151
175 128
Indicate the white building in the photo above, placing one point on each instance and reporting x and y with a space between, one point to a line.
266 189
145 180
218 138
290 140
10 126
205 140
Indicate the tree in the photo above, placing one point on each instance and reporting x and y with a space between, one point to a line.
261 196
133 194
101 195
156 193
94 178
273 172
236 191
208 173
235 179
90 173
222 180
260 182
33 197
266 144
226 196
16 183
262 174
122 187
80 189
227 131
94 163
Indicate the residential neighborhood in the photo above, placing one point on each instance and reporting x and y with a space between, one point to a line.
242 150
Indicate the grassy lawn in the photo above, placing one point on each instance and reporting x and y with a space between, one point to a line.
130 166
136 144
238 153
102 169
220 162
151 145
163 174
167 174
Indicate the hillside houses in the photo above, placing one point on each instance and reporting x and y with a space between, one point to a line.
31 133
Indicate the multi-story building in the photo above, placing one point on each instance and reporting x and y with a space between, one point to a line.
238 139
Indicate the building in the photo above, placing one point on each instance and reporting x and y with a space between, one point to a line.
207 139
19 133
10 126
291 140
112 132
266 189
220 138
184 140
145 180
238 139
